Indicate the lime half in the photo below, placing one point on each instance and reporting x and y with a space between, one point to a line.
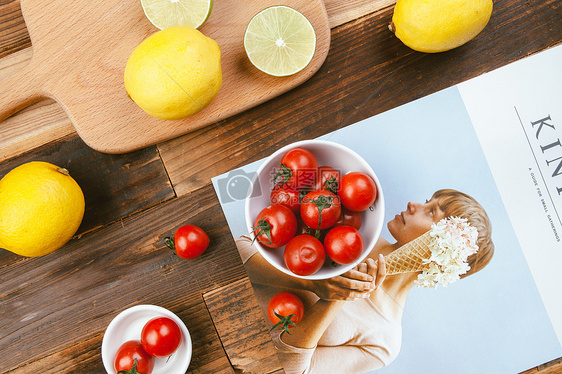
170 13
280 41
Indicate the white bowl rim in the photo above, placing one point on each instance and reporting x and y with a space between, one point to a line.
108 357
379 203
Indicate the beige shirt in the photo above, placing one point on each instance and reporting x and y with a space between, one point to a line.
359 339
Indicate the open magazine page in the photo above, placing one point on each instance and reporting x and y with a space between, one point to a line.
517 114
494 321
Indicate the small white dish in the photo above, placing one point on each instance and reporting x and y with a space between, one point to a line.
328 154
128 325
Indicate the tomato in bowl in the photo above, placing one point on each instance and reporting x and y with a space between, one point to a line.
128 325
335 156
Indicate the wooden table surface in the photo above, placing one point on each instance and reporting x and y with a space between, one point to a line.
54 309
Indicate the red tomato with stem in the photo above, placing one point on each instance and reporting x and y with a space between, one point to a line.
350 218
161 336
328 179
274 226
286 195
320 209
298 169
131 354
304 255
285 310
343 244
358 191
189 241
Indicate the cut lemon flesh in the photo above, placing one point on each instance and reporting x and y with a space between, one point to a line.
280 41
170 13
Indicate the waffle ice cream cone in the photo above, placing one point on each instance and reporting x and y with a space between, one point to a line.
441 254
410 257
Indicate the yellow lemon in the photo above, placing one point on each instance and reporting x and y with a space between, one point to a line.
41 207
174 73
439 25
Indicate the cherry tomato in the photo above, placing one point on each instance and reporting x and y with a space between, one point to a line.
304 255
286 195
275 226
343 244
189 242
131 353
350 218
320 209
328 179
285 310
298 169
358 191
161 336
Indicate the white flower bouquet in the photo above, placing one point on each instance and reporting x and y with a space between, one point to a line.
440 254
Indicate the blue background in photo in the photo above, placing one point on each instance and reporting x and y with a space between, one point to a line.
491 322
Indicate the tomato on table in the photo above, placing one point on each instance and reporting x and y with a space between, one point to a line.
320 209
358 191
285 310
298 169
343 244
304 255
131 358
274 226
189 241
161 336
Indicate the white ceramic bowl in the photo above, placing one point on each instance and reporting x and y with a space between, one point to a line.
128 325
328 154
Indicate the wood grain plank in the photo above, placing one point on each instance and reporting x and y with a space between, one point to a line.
367 71
84 356
78 357
35 125
32 126
242 329
552 367
13 31
340 12
114 186
62 302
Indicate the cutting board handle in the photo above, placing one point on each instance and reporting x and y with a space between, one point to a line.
18 91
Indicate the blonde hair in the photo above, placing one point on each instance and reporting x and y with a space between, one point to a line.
458 204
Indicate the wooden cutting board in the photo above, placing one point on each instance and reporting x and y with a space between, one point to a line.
79 54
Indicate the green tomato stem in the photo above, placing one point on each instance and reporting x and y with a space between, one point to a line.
263 227
284 173
321 202
284 322
169 242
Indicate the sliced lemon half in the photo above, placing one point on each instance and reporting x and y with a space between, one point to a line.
170 13
280 41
